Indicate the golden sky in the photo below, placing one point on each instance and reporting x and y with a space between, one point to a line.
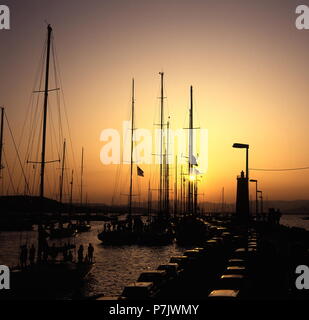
247 62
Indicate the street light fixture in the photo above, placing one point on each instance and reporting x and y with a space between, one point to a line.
256 197
244 146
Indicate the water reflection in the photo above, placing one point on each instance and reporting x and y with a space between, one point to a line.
115 266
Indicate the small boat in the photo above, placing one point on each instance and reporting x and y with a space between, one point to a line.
62 232
82 226
47 272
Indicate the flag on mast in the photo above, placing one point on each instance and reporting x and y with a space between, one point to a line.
140 172
193 161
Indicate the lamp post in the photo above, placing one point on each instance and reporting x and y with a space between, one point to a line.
244 146
256 197
242 199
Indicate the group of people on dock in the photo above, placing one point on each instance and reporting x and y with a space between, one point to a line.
23 258
27 255
89 255
129 225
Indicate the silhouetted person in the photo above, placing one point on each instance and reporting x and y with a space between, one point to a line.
32 255
45 253
80 253
90 252
65 254
70 256
23 256
53 252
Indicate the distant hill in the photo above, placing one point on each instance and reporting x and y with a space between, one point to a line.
28 204
296 206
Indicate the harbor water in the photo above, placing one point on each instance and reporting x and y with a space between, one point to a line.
115 266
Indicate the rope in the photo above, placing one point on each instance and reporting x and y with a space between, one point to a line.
15 146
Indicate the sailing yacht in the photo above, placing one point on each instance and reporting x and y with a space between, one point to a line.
46 272
128 232
133 230
191 229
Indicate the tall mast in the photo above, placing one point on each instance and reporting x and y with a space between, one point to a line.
222 204
62 172
161 142
195 195
131 159
149 201
167 184
181 189
175 189
1 139
190 183
81 177
49 31
71 191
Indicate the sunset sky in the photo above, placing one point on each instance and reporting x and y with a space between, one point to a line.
247 63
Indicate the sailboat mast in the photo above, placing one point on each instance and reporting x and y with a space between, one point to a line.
161 142
131 159
195 194
1 139
167 183
222 201
181 189
49 31
190 183
62 171
81 177
71 191
175 189
149 201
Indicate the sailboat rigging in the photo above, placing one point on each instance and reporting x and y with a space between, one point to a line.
43 270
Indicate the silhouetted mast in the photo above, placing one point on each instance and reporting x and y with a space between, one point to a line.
81 178
149 200
71 191
195 195
62 172
1 140
49 31
181 189
166 176
190 167
131 158
175 189
161 143
222 208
